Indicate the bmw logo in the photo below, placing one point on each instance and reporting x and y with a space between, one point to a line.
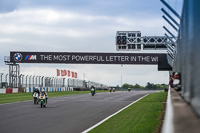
17 57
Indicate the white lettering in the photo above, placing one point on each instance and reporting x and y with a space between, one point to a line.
154 59
144 58
61 57
133 58
45 57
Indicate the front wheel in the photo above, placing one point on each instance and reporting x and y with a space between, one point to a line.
34 100
41 105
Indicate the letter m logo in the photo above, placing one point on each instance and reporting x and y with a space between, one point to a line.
31 57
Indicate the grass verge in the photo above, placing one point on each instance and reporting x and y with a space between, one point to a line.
17 97
141 117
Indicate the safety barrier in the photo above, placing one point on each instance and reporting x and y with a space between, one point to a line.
49 89
9 90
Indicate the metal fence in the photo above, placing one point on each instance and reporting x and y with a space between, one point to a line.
187 53
42 81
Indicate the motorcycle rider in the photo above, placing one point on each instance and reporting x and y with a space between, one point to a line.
110 89
35 96
92 87
113 89
37 91
44 92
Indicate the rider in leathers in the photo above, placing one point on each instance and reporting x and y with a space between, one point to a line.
44 92
37 91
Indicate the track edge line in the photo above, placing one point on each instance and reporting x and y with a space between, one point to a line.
99 123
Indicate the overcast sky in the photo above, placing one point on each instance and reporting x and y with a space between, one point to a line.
81 26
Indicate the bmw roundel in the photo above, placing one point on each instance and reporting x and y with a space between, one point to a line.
17 57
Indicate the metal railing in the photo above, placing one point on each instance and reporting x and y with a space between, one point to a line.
42 81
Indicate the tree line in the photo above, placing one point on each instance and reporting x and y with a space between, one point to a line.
149 86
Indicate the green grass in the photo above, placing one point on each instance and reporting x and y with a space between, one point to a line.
141 117
17 97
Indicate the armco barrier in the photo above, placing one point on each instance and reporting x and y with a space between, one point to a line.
15 90
9 90
31 89
49 89
2 91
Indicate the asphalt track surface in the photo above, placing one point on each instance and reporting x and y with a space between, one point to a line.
66 114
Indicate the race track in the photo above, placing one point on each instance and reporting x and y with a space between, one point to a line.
68 114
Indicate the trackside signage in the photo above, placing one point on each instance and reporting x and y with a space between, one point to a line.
85 58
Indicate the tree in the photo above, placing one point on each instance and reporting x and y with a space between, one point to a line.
137 86
149 85
125 85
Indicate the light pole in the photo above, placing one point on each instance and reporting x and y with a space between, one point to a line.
59 82
49 80
33 80
26 80
30 80
1 79
73 82
22 80
39 80
42 81
6 80
68 81
63 82
6 77
53 80
46 82
36 80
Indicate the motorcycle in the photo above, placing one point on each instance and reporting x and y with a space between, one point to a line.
177 81
110 89
35 98
92 91
42 100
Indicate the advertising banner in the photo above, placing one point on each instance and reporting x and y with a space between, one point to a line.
86 58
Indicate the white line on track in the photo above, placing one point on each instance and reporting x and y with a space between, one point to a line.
89 129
